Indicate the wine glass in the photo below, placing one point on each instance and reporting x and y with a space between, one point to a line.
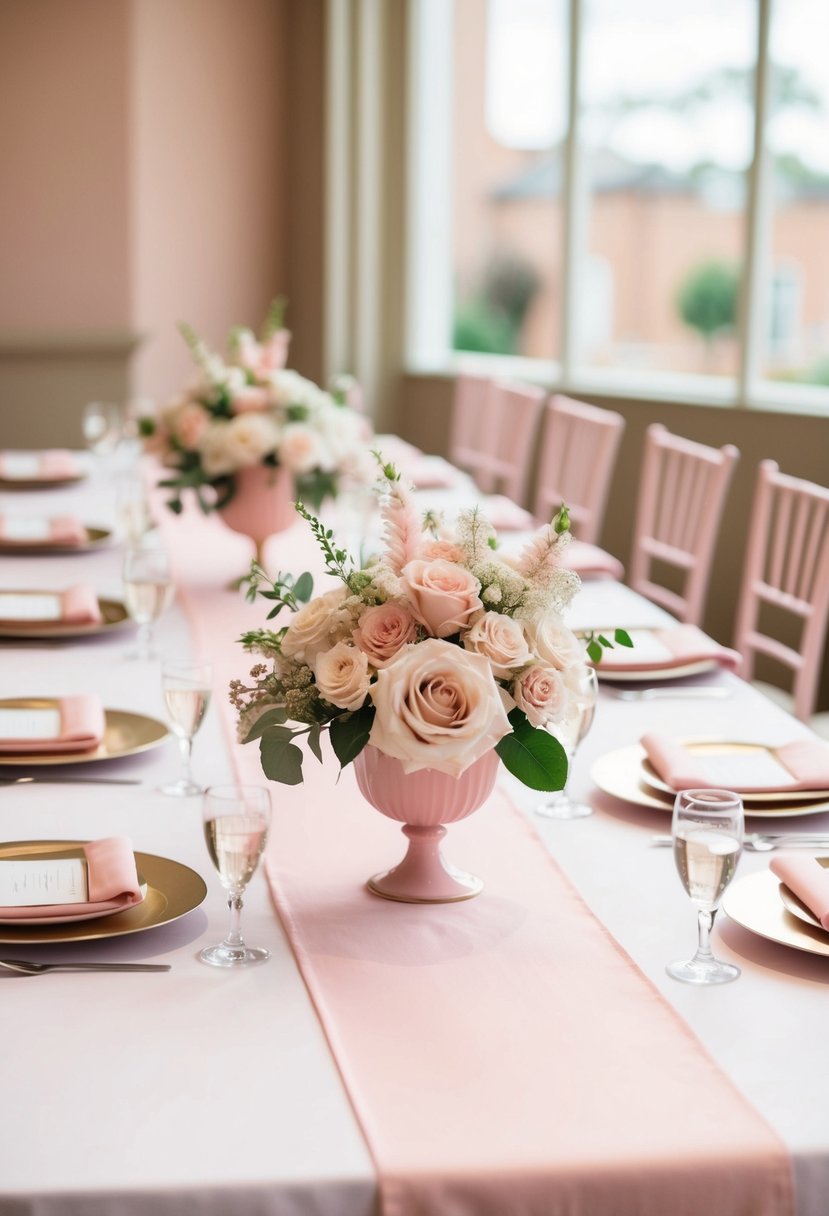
186 687
133 508
236 820
561 805
101 426
707 832
148 590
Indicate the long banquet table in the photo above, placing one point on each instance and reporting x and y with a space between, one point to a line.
210 1092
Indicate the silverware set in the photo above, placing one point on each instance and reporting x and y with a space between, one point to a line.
21 967
764 842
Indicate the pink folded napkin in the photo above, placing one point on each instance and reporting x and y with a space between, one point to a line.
112 885
79 606
429 472
801 765
505 515
59 530
51 465
76 724
661 649
808 879
395 449
591 561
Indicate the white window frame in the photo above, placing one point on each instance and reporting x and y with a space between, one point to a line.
428 342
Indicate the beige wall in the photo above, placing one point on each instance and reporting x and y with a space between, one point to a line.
144 178
799 443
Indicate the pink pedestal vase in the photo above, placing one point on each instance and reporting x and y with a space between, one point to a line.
423 802
261 505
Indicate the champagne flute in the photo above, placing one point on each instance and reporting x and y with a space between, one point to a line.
236 820
561 805
101 426
133 508
148 590
707 830
186 687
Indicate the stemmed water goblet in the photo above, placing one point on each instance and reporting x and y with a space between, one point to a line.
148 590
707 831
101 426
560 805
236 820
186 687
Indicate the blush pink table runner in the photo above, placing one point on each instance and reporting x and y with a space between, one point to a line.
504 1057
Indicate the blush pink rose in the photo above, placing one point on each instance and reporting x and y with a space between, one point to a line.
342 675
553 642
251 399
542 694
384 630
430 550
444 596
501 640
191 423
437 707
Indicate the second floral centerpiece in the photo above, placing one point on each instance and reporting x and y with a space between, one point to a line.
427 667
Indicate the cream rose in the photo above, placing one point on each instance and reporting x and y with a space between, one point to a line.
317 627
501 640
191 424
444 596
542 694
383 631
342 675
302 448
553 643
437 707
432 549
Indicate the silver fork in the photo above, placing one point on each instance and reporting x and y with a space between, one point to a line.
760 842
22 967
714 693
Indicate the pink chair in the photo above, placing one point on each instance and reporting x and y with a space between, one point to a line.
494 434
578 454
681 500
787 567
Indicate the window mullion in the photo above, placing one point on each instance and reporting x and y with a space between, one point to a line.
754 300
572 218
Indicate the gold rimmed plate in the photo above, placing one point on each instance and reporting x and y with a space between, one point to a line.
754 902
619 773
125 734
114 616
796 906
173 890
656 674
41 483
96 538
728 747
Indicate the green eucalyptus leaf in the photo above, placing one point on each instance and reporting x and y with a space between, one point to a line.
594 651
349 733
281 761
532 755
623 637
314 742
304 587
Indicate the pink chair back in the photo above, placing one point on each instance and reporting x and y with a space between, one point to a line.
786 567
578 455
680 505
498 451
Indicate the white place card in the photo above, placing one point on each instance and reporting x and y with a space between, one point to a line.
15 606
29 723
31 883
20 467
647 648
17 527
743 769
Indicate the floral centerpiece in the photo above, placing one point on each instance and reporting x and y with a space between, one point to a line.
435 652
250 410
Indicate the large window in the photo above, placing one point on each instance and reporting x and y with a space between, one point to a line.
628 195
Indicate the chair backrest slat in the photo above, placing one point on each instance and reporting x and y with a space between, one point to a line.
579 448
681 499
787 565
493 432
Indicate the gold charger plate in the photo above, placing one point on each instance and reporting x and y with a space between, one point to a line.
113 613
96 538
173 890
656 674
125 733
754 902
726 747
619 773
39 483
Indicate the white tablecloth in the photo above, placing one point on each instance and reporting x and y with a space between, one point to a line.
203 1091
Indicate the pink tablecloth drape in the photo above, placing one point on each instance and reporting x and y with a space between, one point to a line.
504 1056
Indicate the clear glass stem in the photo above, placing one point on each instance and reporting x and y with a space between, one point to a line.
705 923
144 644
186 749
234 939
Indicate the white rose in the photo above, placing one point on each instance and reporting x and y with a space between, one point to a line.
553 643
317 627
302 448
501 640
438 707
217 456
342 675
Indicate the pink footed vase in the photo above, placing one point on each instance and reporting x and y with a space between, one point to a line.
423 802
263 503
